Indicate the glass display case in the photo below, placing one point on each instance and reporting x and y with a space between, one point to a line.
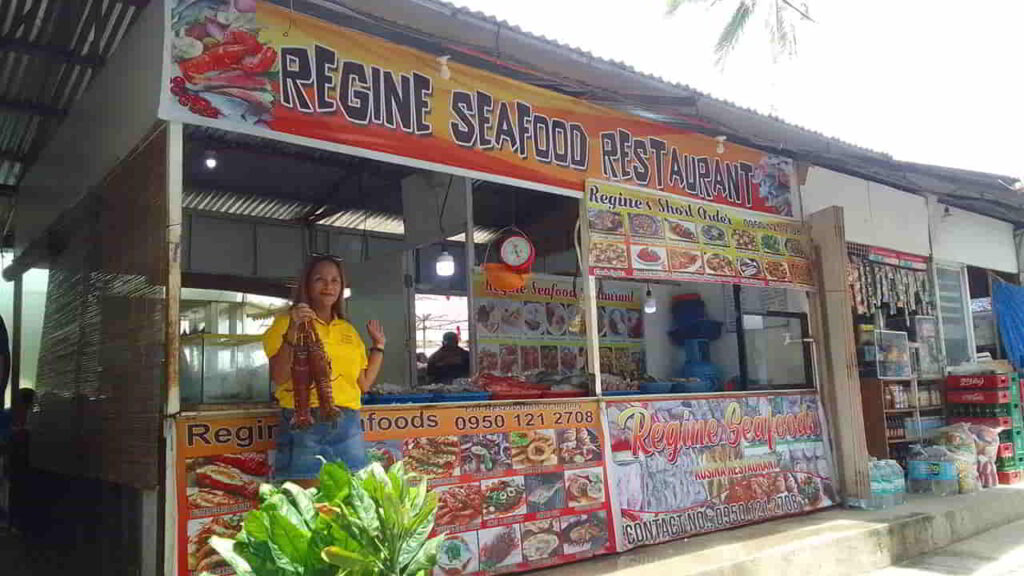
223 369
893 356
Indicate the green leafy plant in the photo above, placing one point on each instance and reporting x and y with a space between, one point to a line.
372 523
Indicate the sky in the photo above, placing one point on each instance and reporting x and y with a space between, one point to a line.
932 81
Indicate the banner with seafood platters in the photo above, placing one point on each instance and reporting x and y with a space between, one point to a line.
686 466
539 329
640 234
220 464
520 486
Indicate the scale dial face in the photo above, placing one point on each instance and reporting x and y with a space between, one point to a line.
516 252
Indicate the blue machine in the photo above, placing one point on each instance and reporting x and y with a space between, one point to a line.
694 332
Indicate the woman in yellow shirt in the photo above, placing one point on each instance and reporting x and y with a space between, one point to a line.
318 299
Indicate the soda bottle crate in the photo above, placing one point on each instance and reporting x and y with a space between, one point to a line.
1006 450
974 382
981 396
1010 477
996 422
1015 437
1009 464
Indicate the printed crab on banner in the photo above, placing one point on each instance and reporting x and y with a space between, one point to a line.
258 68
686 467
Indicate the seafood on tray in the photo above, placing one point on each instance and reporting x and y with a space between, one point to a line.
500 547
204 498
682 230
604 221
545 492
432 456
251 463
583 487
540 540
459 505
457 555
201 555
488 317
227 479
532 448
578 445
649 257
644 225
483 453
504 497
585 532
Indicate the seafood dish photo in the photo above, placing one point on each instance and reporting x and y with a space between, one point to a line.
457 555
540 540
744 240
584 487
610 254
534 318
487 358
549 358
384 453
776 270
605 221
681 260
545 492
749 267
649 257
203 498
772 244
556 318
512 318
228 479
795 248
508 359
483 453
588 532
431 457
504 497
529 358
800 272
459 505
201 555
578 445
714 235
645 225
500 547
532 448
719 264
679 230
487 318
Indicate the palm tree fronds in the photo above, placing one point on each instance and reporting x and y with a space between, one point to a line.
732 31
671 6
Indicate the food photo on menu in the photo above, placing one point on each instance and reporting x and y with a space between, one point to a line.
504 497
458 554
685 260
384 452
719 264
584 533
608 254
201 556
605 221
649 257
557 319
484 453
545 492
533 448
488 317
744 240
432 457
645 225
534 318
776 270
541 540
529 358
225 481
681 230
501 546
459 505
714 235
578 445
749 267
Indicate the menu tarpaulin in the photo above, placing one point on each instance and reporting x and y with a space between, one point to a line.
639 234
269 71
220 465
520 486
683 467
540 327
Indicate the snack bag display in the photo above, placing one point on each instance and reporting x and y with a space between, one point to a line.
959 441
986 442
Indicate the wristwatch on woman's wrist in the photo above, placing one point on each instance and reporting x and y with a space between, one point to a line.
377 348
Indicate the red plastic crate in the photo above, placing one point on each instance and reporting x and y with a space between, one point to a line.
1002 422
1006 450
1010 477
982 396
571 394
980 381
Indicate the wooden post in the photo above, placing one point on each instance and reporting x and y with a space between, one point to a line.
840 385
175 176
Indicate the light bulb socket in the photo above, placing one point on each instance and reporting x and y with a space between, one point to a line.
210 160
445 264
650 304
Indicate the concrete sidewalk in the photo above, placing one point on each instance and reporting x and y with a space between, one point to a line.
998 552
836 542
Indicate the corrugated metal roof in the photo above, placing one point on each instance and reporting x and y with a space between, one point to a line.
49 52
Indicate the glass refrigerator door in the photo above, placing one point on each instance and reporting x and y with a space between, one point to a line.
775 354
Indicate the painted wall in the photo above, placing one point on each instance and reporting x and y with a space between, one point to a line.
874 214
113 115
968 238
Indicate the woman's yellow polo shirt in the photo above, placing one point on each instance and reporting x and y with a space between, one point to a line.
344 347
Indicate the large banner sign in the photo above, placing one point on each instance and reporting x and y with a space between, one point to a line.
250 66
683 467
520 486
636 233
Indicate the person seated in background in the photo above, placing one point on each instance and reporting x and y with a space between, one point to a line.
449 362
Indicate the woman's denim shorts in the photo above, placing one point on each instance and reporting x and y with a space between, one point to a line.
298 451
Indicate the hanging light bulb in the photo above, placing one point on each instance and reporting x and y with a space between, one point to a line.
650 304
210 160
720 148
347 293
445 264
446 72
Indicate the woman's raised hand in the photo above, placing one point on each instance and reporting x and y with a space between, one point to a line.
302 313
376 332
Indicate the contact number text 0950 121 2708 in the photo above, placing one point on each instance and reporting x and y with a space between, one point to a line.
524 420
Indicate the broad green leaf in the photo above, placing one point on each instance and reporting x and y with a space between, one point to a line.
281 504
301 501
427 512
226 548
365 510
398 483
255 525
347 559
334 482
288 542
417 535
416 499
425 559
267 490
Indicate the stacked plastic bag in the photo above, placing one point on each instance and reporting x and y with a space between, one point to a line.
960 459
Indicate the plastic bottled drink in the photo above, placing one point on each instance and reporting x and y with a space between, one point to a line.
898 481
877 485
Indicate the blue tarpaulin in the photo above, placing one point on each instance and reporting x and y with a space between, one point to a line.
1008 305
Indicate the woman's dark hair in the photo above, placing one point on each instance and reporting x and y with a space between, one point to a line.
301 293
